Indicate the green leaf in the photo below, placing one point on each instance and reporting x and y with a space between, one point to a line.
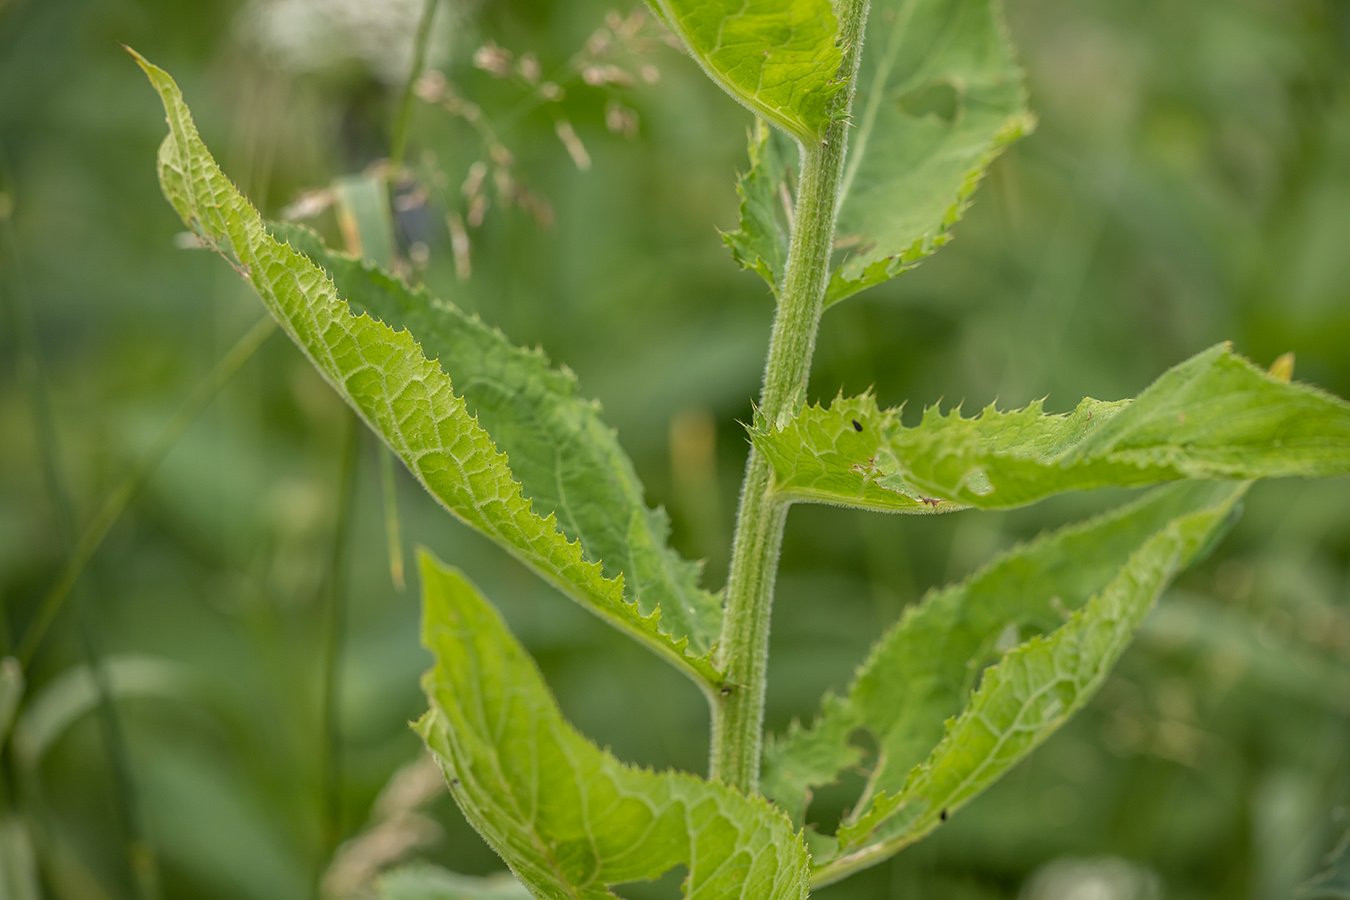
408 400
777 57
566 458
1058 611
761 242
1214 416
939 97
363 215
566 816
422 881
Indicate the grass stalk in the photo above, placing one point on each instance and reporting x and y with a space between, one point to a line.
335 632
121 497
399 144
140 852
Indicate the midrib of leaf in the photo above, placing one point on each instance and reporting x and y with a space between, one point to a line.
384 375
877 91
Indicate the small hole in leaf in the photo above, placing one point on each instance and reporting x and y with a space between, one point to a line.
831 802
937 98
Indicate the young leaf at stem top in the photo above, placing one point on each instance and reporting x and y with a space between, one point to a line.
939 97
1214 416
779 58
1059 611
569 818
408 400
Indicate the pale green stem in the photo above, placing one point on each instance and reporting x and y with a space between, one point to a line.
400 141
393 532
335 634
139 849
743 650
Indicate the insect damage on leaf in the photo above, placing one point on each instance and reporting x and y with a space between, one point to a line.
940 96
1051 616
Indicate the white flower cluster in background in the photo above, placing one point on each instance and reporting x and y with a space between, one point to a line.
1103 878
312 35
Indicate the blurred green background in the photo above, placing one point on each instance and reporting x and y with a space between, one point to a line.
1189 183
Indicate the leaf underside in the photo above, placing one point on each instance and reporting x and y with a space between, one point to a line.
566 458
566 816
760 244
1053 615
408 400
939 97
777 57
1214 416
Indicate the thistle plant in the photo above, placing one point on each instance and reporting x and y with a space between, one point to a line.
873 128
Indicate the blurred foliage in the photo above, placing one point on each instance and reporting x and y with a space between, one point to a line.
1189 183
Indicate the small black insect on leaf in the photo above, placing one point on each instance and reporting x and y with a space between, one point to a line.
857 426
454 782
943 815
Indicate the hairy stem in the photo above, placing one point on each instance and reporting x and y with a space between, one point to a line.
738 714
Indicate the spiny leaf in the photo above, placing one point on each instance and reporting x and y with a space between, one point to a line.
777 57
383 374
566 458
939 97
761 242
1058 611
1214 416
567 817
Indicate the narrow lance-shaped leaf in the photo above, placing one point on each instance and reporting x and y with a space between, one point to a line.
939 97
1058 611
1214 416
567 817
566 458
404 397
777 57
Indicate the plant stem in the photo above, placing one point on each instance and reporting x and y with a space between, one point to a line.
738 714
